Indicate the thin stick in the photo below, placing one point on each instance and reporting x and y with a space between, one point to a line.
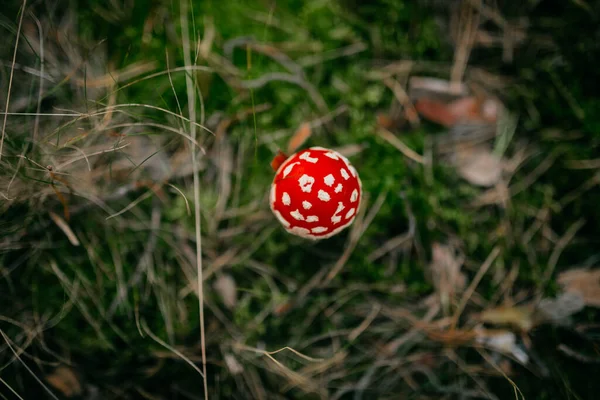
10 80
398 144
469 292
191 95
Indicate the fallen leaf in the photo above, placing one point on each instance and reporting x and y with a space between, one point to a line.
278 160
467 109
558 310
445 272
479 166
233 364
65 381
519 317
227 289
585 282
301 136
64 226
385 121
436 111
502 342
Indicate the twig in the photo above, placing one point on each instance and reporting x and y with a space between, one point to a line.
411 113
558 249
398 144
469 292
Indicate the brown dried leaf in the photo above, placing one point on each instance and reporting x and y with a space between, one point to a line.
227 289
233 364
479 166
585 282
466 109
65 381
447 278
519 317
301 136
558 310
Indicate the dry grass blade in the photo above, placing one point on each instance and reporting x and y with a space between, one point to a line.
409 109
10 79
558 249
11 389
466 24
8 343
158 340
62 224
191 96
471 289
398 144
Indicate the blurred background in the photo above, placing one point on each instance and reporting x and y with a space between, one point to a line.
138 255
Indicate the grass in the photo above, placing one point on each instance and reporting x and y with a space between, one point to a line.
138 254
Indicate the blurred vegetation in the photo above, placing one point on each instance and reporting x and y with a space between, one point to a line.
119 310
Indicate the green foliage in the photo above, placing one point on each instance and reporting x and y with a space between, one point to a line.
96 300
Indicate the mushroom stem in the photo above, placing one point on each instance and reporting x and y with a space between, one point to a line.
278 160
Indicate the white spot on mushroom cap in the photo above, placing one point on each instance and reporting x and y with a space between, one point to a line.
312 218
335 218
329 180
306 205
350 213
306 157
323 195
318 229
306 183
300 231
344 174
285 199
288 169
354 196
339 188
296 215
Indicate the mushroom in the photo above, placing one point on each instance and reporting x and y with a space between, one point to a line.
316 193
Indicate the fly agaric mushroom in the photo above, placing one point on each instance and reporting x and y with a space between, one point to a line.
316 192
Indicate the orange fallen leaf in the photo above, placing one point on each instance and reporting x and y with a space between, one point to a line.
466 109
278 160
65 380
436 111
299 137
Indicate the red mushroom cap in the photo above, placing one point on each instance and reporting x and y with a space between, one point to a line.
316 193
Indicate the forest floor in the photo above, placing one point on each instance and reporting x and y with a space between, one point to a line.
136 142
